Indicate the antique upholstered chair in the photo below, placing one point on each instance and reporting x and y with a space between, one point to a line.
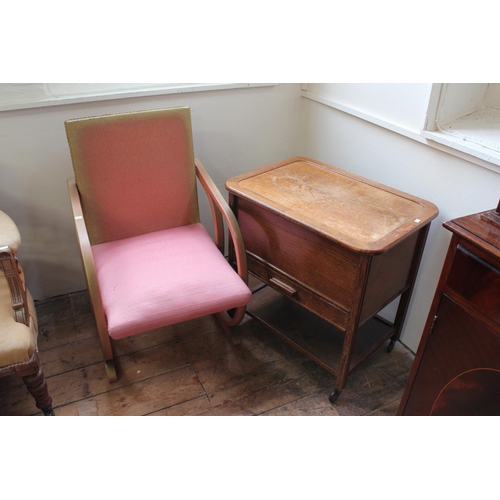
18 321
148 261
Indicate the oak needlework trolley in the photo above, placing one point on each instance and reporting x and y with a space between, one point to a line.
328 242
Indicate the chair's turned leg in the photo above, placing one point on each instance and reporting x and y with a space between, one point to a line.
36 384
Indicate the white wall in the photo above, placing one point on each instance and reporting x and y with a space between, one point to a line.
234 131
456 186
493 96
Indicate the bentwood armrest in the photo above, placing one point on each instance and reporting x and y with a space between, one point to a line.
88 262
220 208
83 237
220 203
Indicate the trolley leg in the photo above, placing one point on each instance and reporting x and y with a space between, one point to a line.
404 301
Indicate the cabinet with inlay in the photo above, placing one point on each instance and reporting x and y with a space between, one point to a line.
457 366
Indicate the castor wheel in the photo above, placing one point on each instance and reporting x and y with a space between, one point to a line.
390 347
334 396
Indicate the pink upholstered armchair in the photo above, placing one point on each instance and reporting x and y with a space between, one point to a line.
148 260
18 321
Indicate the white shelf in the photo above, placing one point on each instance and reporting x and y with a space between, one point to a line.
477 134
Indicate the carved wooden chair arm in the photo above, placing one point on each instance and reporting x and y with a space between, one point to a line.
10 241
15 278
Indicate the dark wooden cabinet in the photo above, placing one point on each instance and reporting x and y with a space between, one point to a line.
457 366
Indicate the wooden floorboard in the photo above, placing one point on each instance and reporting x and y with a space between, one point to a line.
192 369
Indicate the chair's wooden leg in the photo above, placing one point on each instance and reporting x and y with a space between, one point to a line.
107 350
110 370
36 384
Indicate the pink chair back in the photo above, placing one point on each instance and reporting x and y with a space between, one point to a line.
135 172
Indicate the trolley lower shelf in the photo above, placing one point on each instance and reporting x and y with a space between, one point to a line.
313 336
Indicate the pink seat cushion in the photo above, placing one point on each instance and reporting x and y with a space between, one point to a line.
164 277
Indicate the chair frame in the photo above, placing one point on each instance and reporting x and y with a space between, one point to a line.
31 371
220 212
